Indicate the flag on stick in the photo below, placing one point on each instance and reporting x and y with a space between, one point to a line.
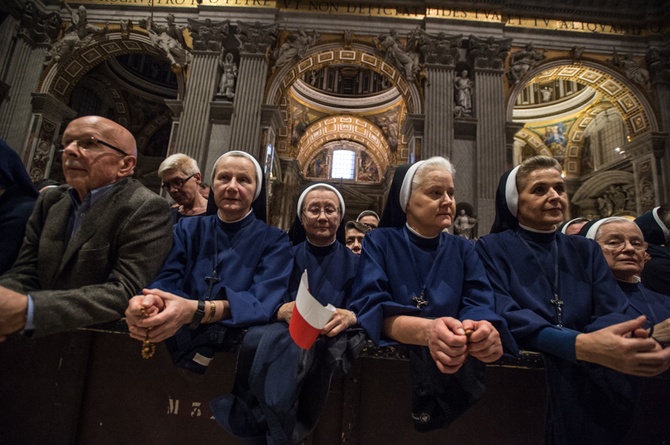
308 317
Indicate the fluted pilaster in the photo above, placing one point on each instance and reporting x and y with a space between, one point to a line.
659 64
48 113
246 119
22 77
662 93
7 31
194 127
439 127
490 161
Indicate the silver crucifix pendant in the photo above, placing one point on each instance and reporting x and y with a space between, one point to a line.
420 301
558 306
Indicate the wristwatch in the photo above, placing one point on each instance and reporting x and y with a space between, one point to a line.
199 313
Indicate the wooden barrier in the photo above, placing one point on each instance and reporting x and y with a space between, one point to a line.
93 387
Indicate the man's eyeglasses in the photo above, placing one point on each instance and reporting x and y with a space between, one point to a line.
90 144
176 183
617 245
315 212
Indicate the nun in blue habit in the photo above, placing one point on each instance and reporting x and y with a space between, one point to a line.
425 291
655 226
17 199
228 270
280 389
552 289
624 248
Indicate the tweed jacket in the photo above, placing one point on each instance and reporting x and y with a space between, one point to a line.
118 249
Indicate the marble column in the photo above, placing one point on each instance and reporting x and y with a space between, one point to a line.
246 118
255 40
439 125
8 29
48 114
489 108
491 151
193 127
658 62
22 77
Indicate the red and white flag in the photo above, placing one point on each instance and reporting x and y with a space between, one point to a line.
308 317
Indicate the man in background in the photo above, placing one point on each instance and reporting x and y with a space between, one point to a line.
655 226
354 234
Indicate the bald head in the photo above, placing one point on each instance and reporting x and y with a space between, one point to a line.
110 131
97 152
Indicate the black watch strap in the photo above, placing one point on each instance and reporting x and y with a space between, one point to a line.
199 313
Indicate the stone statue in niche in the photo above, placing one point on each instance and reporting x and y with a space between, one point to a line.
169 40
520 62
79 35
647 194
208 35
401 56
463 95
294 47
631 69
228 75
464 224
388 124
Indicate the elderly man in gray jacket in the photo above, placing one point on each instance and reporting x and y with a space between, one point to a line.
90 244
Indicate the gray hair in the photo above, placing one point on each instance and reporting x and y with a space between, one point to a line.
242 154
411 179
432 164
610 220
181 162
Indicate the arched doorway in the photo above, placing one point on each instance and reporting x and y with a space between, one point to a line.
596 122
122 77
349 101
